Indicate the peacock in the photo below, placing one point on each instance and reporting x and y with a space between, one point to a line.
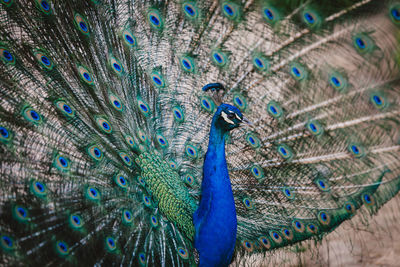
184 133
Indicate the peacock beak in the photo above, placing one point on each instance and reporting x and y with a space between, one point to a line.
246 121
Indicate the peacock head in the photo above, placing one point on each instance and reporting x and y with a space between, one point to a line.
228 117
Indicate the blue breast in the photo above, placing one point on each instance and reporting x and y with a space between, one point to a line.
215 219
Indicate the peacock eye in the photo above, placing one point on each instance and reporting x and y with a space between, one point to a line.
231 116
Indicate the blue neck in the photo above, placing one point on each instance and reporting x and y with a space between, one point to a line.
216 142
215 219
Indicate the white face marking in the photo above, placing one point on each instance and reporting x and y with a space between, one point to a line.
225 117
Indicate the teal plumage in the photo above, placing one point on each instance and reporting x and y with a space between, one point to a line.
104 126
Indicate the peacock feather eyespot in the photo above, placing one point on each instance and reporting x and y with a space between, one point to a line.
147 201
142 259
287 233
121 181
95 152
141 181
7 243
38 189
248 203
264 241
363 43
207 104
110 244
92 194
31 115
239 101
61 248
7 3
104 125
191 151
189 179
335 82
312 228
188 64
394 12
298 226
129 140
115 102
178 114
161 140
44 60
20 214
173 164
155 20
253 140
247 245
81 24
129 39
64 108
116 66
219 58
322 185
44 6
274 109
261 63
338 81
75 221
85 75
125 158
378 99
6 56
142 136
368 199
61 163
190 10
5 134
127 217
356 150
257 172
285 151
157 79
183 253
143 107
349 207
324 218
297 71
153 221
231 10
315 128
271 14
275 237
288 193
311 18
